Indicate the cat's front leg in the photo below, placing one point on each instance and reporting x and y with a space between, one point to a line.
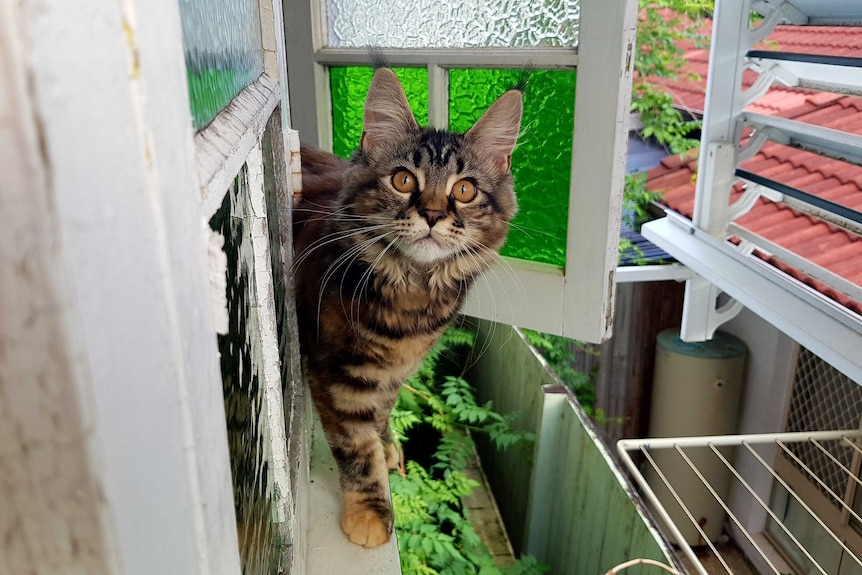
390 449
358 450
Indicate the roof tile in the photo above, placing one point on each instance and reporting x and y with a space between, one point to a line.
822 243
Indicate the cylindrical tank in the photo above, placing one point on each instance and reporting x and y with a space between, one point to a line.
696 391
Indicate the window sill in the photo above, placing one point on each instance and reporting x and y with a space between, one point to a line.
328 550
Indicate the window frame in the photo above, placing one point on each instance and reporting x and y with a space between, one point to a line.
578 300
128 413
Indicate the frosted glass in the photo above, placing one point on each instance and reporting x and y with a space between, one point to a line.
260 539
459 24
542 160
349 86
223 52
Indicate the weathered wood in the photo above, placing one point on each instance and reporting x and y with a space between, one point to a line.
279 197
121 413
495 373
624 364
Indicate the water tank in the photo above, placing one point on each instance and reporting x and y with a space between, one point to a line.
696 391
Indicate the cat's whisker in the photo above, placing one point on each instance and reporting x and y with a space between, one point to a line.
488 258
527 230
362 285
344 259
510 272
330 238
362 278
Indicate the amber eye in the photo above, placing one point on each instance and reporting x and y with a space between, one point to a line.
464 191
404 182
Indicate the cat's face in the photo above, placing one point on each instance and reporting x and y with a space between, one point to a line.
435 195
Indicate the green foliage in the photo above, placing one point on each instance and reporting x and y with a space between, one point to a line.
558 351
659 55
636 198
434 533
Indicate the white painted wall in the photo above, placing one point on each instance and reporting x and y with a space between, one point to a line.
117 458
768 385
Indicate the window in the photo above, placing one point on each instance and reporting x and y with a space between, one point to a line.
454 61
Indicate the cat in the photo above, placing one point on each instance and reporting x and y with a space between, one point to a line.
387 246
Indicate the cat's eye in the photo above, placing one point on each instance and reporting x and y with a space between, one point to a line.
464 191
404 182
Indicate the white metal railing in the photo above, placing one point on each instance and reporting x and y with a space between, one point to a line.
730 137
676 512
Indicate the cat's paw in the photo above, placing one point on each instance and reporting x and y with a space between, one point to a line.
364 524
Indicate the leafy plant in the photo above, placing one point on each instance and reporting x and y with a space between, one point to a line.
660 30
659 56
435 536
558 351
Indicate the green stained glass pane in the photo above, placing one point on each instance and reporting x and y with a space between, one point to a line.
542 160
349 85
223 52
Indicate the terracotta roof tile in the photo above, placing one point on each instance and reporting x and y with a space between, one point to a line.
822 243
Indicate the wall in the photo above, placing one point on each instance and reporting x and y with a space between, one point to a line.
768 384
564 501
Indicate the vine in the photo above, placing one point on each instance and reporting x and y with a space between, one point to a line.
660 30
435 536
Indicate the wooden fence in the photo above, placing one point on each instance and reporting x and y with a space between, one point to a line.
564 500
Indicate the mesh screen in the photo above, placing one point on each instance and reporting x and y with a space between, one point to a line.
823 399
461 24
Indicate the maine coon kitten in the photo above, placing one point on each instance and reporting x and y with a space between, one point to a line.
387 246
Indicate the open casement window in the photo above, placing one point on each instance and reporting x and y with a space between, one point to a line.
153 423
454 60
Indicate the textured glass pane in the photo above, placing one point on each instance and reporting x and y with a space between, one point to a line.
223 52
349 87
260 542
542 160
459 24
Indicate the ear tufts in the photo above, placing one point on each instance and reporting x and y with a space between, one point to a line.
387 113
496 132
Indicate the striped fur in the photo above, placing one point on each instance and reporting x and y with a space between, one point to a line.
381 273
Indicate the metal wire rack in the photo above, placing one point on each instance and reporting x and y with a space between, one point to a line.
680 474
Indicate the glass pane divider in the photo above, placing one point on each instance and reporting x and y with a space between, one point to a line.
534 58
438 97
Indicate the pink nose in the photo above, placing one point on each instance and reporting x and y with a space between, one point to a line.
432 216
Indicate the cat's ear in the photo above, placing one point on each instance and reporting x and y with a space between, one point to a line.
496 132
387 113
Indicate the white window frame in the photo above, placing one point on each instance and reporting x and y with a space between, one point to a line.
112 441
576 301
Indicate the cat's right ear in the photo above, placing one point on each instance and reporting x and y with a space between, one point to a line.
387 113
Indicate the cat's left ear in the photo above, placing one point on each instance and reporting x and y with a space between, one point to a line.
496 132
387 113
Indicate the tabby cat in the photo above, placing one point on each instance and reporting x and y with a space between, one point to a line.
387 246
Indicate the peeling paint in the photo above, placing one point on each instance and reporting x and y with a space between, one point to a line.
217 279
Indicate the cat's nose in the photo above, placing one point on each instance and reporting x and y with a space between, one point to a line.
432 216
